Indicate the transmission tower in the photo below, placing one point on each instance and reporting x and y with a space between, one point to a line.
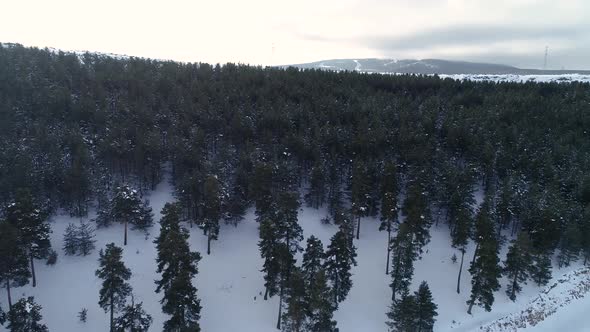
546 53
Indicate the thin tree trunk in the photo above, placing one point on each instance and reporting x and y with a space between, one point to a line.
125 234
112 313
266 294
8 292
513 291
475 253
358 228
33 269
460 270
388 249
209 244
280 309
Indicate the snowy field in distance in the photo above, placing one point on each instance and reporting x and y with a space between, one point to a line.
565 78
230 283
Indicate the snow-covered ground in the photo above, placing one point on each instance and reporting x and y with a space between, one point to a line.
564 78
230 283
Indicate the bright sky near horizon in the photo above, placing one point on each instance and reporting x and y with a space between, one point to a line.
267 32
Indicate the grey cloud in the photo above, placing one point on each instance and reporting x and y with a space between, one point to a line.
473 35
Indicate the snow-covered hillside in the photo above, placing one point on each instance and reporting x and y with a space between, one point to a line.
563 78
230 283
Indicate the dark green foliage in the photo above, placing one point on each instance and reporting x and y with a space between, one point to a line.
316 193
83 315
14 271
321 307
340 257
518 264
211 210
541 269
402 261
25 316
33 230
425 308
485 270
79 239
115 289
133 319
295 316
389 205
177 266
402 314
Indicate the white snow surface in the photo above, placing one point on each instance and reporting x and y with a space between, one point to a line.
515 78
230 284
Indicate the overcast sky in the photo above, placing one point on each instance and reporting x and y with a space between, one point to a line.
270 32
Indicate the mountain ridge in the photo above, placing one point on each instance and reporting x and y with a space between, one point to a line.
425 66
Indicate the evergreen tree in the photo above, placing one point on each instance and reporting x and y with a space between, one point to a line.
25 316
418 218
33 229
402 263
177 266
402 314
541 269
460 238
70 240
133 319
115 289
360 193
340 257
295 317
518 264
14 271
485 270
570 245
313 260
316 193
389 205
425 309
321 307
126 207
212 210
79 239
261 189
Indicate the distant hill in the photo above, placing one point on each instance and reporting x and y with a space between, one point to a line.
426 66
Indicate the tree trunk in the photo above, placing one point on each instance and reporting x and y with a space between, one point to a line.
358 228
280 309
460 269
514 283
475 253
9 296
266 294
112 313
125 234
209 243
33 269
388 249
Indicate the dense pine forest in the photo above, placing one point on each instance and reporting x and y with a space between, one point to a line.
89 132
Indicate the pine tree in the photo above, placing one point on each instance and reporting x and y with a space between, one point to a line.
518 264
360 193
115 289
85 239
321 307
402 314
261 189
126 207
70 240
133 319
402 264
33 229
425 309
485 270
177 266
340 257
79 239
268 245
389 205
541 269
418 218
295 316
570 245
212 210
316 194
14 271
460 238
25 316
313 260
